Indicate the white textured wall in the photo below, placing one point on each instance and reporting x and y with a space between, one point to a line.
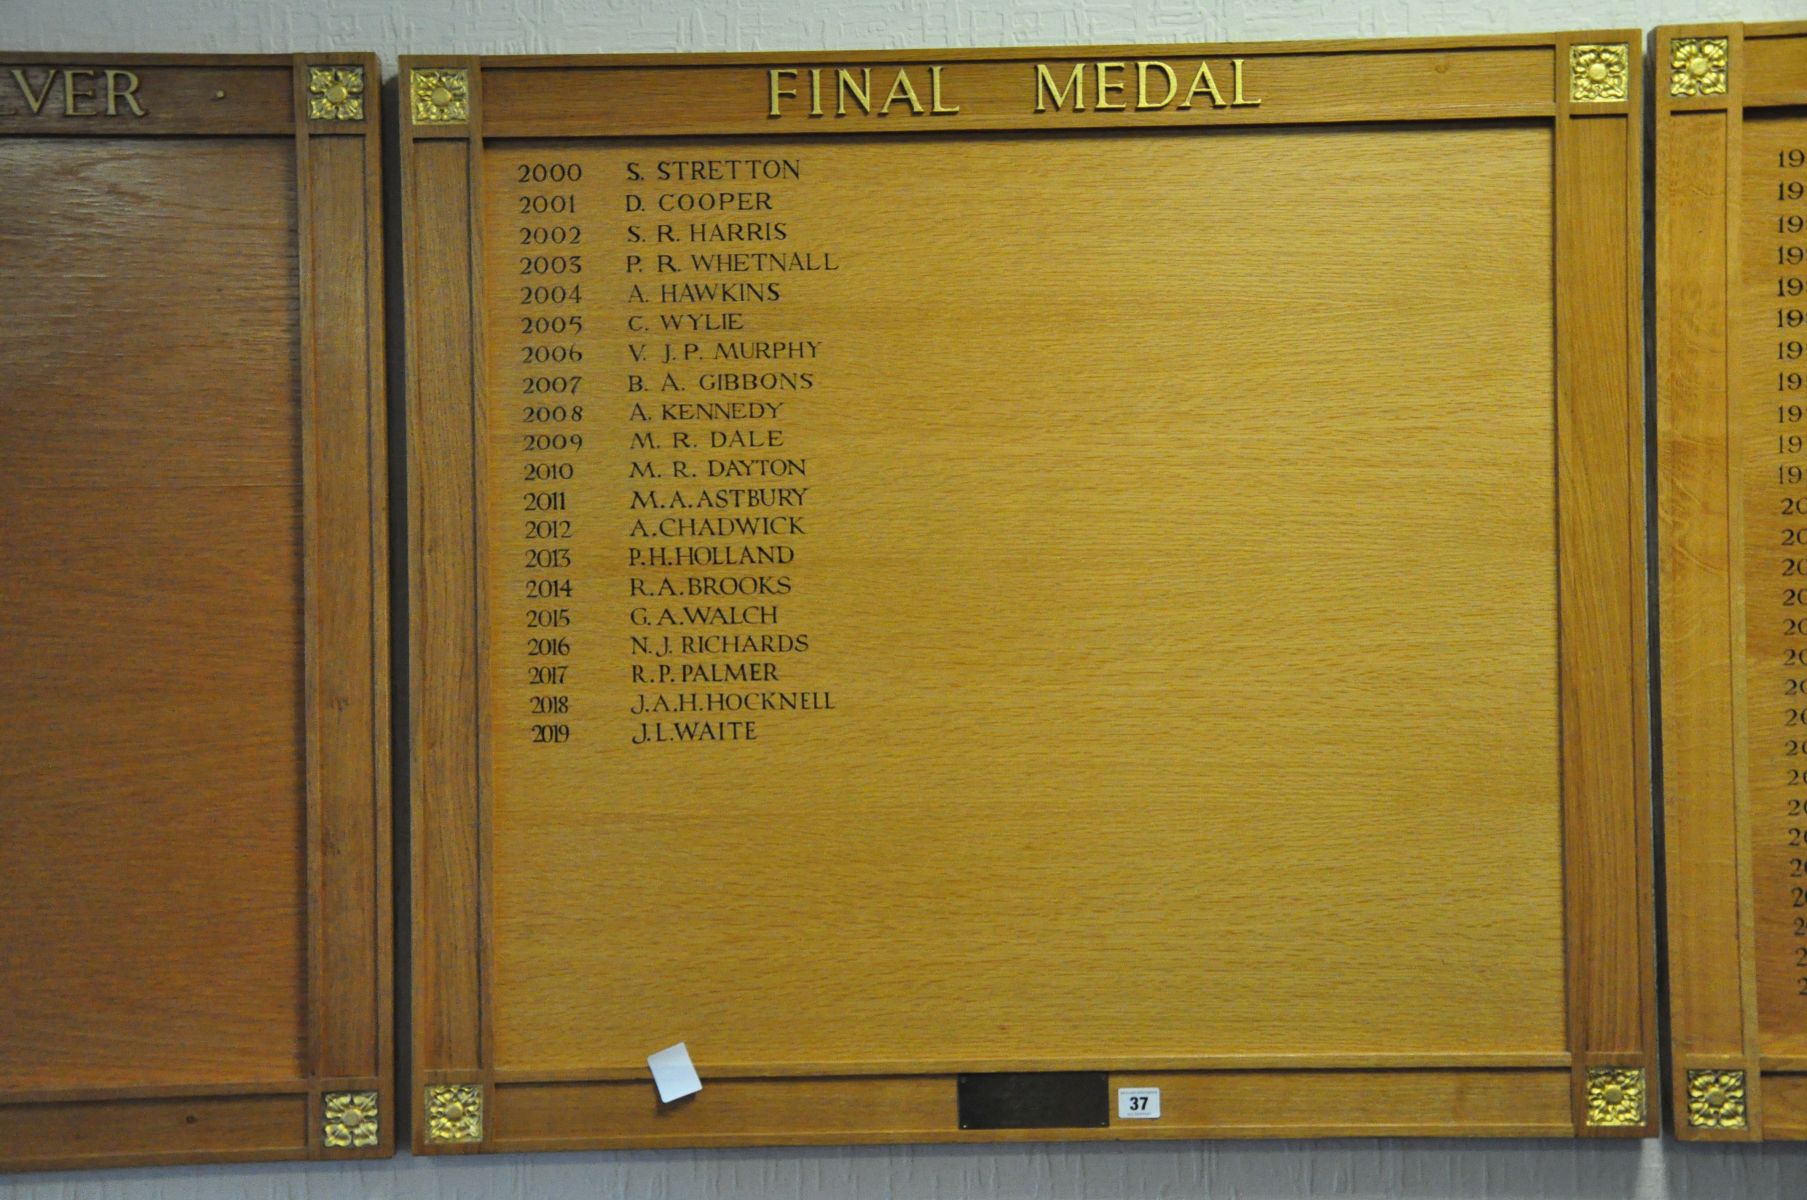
1411 1170
601 26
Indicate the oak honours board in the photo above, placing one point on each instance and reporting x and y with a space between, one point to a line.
1731 324
970 586
194 824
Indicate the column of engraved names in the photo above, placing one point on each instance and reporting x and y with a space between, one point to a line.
718 500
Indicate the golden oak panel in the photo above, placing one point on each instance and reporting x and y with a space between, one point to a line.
1074 590
1731 169
1124 621
1769 381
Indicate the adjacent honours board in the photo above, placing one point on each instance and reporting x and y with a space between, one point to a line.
194 755
1082 593
1731 388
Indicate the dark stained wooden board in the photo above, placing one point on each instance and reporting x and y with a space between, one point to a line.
194 761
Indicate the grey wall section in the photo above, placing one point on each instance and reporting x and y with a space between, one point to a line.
1352 1170
648 26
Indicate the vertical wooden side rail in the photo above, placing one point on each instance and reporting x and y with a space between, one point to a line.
439 150
1611 934
338 124
1712 993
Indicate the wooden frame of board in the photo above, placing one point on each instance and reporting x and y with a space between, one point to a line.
197 1017
1728 351
1583 89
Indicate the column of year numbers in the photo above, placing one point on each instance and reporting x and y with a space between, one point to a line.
549 415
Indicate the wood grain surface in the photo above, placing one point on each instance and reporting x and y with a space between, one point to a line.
642 95
1730 392
194 758
1220 558
152 598
1105 587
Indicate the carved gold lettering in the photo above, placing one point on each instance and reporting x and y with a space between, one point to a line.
1106 87
1142 70
1204 84
1236 86
854 92
901 89
1157 87
1046 89
71 95
36 103
775 89
80 97
129 92
861 92
936 107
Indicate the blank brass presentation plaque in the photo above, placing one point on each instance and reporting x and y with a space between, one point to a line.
1731 376
1118 561
194 752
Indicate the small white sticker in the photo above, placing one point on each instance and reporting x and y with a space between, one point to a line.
1138 1104
674 1074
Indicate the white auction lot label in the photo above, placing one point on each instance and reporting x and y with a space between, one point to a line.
1138 1104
